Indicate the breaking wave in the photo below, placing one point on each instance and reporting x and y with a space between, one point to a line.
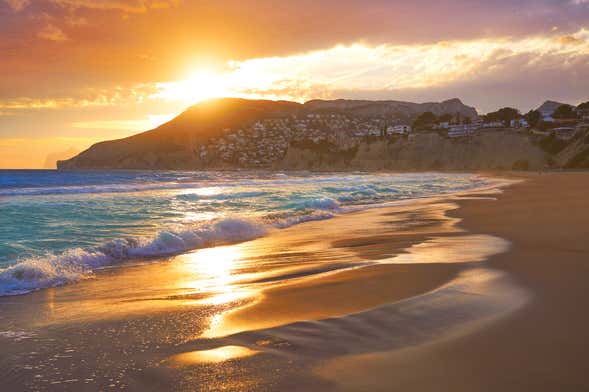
76 264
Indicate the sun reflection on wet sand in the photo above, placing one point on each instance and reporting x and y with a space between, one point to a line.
213 271
216 355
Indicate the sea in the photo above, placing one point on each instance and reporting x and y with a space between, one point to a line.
58 227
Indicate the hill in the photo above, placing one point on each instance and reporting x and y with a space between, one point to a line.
548 107
179 143
391 108
171 145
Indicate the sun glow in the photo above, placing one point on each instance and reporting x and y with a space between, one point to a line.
365 68
201 85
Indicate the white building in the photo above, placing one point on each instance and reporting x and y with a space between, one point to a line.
399 130
493 124
462 130
518 123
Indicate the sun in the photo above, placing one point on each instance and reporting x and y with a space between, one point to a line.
202 84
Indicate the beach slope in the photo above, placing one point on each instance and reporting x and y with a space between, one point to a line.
541 347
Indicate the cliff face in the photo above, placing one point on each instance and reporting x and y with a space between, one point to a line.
491 150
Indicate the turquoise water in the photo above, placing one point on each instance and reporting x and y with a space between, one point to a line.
57 227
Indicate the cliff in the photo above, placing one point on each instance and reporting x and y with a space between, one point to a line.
491 150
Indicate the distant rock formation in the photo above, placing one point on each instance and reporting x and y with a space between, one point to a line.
384 108
52 158
548 107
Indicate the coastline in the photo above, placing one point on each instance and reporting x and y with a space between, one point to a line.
181 321
43 271
541 346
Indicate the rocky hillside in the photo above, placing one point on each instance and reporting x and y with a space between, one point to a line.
496 149
178 144
172 145
387 108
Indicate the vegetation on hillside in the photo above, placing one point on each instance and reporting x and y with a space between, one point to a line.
565 112
504 115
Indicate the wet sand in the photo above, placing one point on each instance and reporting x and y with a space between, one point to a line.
405 297
541 347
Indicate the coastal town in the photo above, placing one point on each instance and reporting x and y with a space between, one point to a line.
265 141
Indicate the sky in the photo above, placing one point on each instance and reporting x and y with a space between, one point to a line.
74 72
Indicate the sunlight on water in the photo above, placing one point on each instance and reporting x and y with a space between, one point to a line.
213 273
461 249
217 355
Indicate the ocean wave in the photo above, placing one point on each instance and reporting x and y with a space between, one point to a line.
317 203
222 196
91 189
282 221
76 264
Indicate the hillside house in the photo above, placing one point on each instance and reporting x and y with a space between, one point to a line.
463 130
399 130
519 123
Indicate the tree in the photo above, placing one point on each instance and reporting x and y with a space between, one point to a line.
424 120
446 117
505 115
564 111
533 117
583 106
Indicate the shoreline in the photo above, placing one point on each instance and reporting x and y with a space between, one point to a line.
256 229
343 278
314 260
541 346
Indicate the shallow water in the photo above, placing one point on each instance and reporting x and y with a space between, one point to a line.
233 317
58 227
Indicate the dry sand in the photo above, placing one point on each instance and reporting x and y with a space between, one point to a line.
539 348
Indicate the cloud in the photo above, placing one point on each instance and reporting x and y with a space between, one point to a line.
52 33
17 5
404 69
129 6
569 40
152 121
82 98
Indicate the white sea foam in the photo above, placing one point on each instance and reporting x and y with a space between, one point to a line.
76 264
92 189
318 203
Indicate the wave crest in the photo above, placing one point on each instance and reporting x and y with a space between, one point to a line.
76 264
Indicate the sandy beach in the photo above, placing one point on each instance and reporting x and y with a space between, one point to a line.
540 347
473 292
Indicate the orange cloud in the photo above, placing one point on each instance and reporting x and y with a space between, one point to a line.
569 40
130 6
17 5
52 33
